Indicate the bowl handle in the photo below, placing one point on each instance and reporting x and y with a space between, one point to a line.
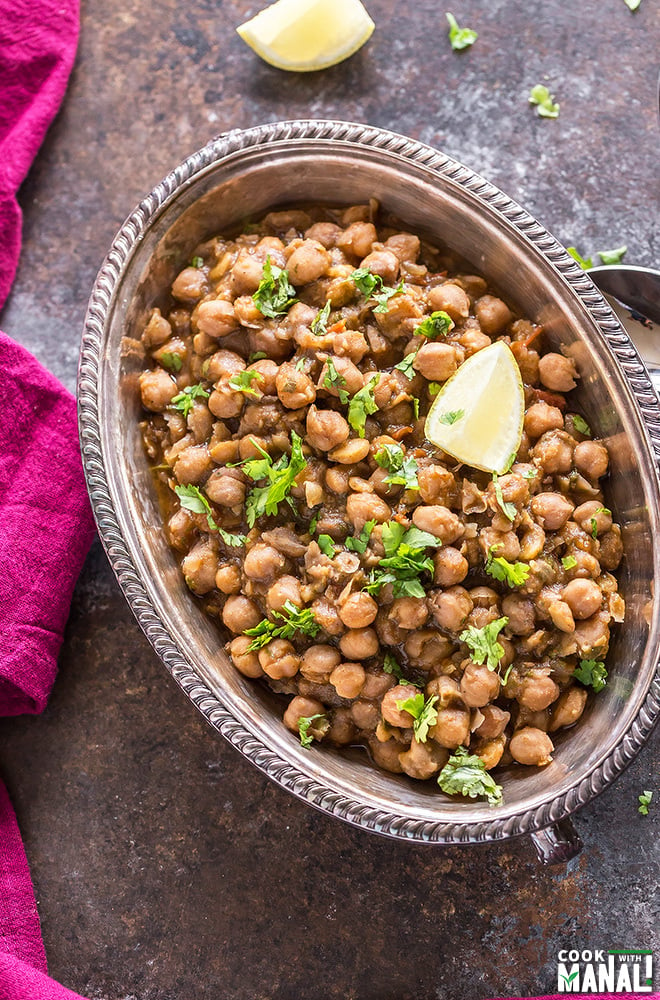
555 845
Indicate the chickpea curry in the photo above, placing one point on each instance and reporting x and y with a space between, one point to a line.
450 620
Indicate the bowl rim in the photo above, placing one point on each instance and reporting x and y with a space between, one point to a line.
285 773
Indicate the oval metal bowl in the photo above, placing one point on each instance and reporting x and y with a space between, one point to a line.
241 175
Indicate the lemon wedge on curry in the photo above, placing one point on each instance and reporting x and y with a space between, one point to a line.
306 35
477 417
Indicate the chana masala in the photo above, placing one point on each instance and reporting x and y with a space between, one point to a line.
450 620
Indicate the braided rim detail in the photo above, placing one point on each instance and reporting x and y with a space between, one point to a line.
309 789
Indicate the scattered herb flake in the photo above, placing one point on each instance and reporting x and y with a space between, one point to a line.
275 295
423 712
185 399
313 522
644 802
632 4
333 380
242 382
280 475
257 356
359 543
513 574
591 673
405 560
530 473
293 620
465 774
483 643
372 287
406 366
229 539
171 361
460 38
584 262
197 262
451 416
392 666
192 499
438 324
320 321
569 562
362 404
545 104
612 256
402 468
327 546
434 388
385 294
581 425
508 509
309 731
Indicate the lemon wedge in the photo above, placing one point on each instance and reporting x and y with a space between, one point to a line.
477 417
306 35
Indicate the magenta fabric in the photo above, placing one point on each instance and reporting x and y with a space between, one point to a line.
38 41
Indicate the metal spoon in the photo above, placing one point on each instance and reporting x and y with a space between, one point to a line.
634 294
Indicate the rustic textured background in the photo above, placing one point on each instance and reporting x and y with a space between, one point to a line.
167 868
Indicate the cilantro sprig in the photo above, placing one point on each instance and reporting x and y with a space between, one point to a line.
405 560
242 382
293 620
513 574
320 322
407 365
402 469
327 546
192 499
312 727
644 802
333 380
184 400
591 673
546 107
438 324
372 287
280 476
275 294
460 38
362 405
483 643
358 543
234 540
423 712
465 774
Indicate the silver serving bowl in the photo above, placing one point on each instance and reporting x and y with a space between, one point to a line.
243 174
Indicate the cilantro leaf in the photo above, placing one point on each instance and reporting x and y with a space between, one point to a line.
483 643
327 546
451 416
406 366
584 262
359 543
405 560
402 468
293 620
385 294
465 774
581 425
569 562
275 295
192 499
591 673
644 802
281 476
513 574
333 380
171 361
434 388
197 262
392 666
632 4
242 382
320 322
372 287
362 404
309 732
612 256
185 399
423 712
545 104
438 324
257 356
460 38
508 509
529 473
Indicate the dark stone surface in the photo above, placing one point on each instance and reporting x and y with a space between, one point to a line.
165 866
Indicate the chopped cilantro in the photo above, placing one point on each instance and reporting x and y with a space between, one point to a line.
333 380
197 262
293 620
483 643
415 403
385 294
438 324
530 473
581 425
185 399
242 382
392 666
405 560
402 469
359 543
584 262
275 295
591 673
313 522
372 287
171 361
327 546
362 404
465 774
229 539
423 712
644 802
508 509
513 574
612 256
632 4
460 38
545 104
434 388
406 366
320 321
280 475
192 499
257 356
569 562
451 416
309 731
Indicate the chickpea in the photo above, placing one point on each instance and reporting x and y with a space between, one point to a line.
365 715
447 690
327 617
375 685
541 417
438 521
452 727
193 464
325 233
531 746
279 659
294 388
593 518
326 429
554 452
318 662
532 542
493 314
537 690
568 709
244 659
358 611
342 728
450 298
404 245
228 578
199 568
451 607
584 597
491 751
224 488
189 285
216 318
562 616
479 685
224 364
348 679
224 402
557 372
286 588
357 239
263 562
450 567
302 708
157 330
611 548
268 370
157 389
363 507
437 485
359 644
386 755
239 614
495 721
384 263
308 262
436 362
520 612
423 760
503 543
551 510
181 529
409 612
389 706
426 647
591 458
